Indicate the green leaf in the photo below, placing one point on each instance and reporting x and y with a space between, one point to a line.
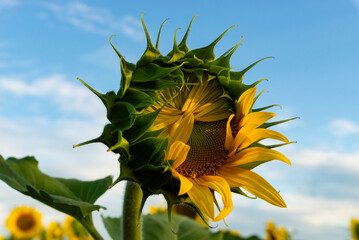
156 227
113 227
70 196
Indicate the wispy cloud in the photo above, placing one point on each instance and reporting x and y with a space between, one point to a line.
344 127
68 96
8 3
97 20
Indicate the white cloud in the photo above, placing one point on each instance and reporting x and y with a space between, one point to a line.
97 20
69 96
325 158
344 127
8 3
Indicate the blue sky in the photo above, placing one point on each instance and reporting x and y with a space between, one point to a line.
46 45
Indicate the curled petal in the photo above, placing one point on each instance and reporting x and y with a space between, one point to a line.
253 183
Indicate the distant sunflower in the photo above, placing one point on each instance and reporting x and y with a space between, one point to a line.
2 237
55 231
24 223
354 228
215 155
74 230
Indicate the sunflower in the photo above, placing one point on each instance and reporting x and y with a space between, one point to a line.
184 126
24 222
2 237
54 231
354 228
213 156
74 230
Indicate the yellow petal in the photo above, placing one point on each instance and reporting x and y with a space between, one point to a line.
262 133
255 119
186 184
255 154
245 103
253 183
219 185
182 129
229 135
178 152
202 198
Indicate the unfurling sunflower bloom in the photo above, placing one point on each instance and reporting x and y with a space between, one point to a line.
74 230
354 228
185 127
24 223
54 232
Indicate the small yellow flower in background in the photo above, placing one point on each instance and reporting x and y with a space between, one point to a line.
74 230
24 223
2 237
54 232
273 233
354 228
155 210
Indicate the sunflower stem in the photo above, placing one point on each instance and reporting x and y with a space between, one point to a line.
131 222
88 224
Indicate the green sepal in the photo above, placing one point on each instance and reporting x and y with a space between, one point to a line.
122 146
151 53
148 151
206 53
130 66
183 44
126 77
159 33
236 88
152 72
142 123
238 190
137 99
107 99
270 124
122 115
176 53
109 137
265 108
153 177
126 173
70 196
238 76
155 85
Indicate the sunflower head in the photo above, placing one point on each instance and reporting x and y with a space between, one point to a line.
74 230
184 126
24 223
354 228
55 231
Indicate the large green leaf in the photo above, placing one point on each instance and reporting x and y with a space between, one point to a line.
157 227
113 227
70 196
